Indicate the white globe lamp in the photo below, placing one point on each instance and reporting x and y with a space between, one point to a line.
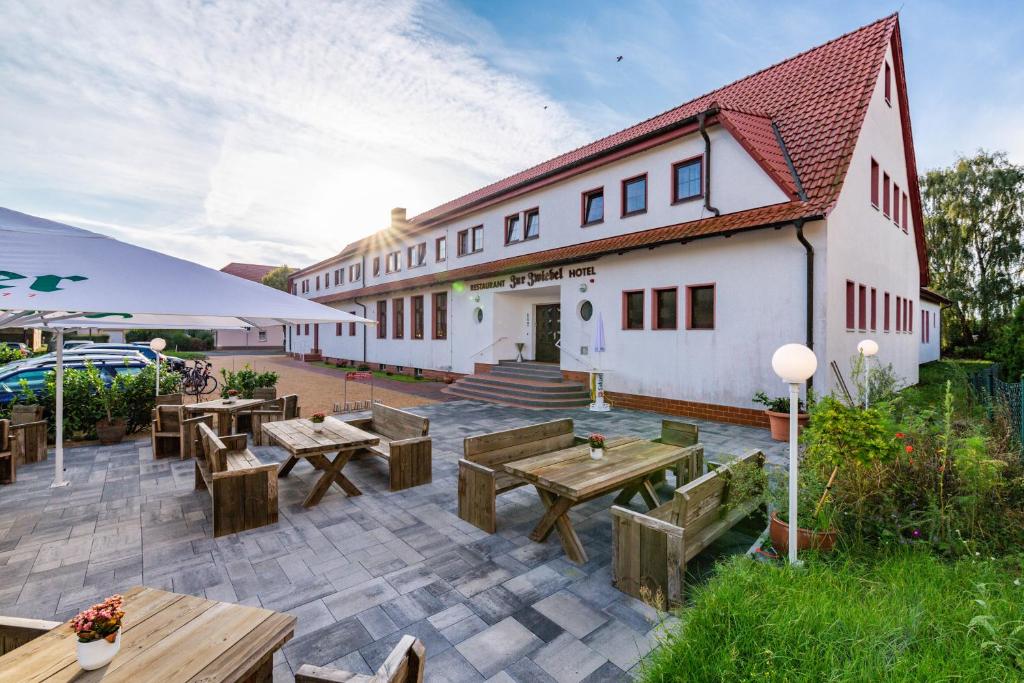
158 344
867 349
794 364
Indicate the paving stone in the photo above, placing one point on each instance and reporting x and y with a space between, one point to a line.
567 659
542 627
450 667
571 613
377 622
312 616
459 631
620 644
495 604
480 578
609 673
354 600
327 644
450 616
493 649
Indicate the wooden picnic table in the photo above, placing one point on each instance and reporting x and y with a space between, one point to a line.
301 441
568 477
225 412
165 637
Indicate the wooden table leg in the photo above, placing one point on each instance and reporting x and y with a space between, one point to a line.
558 516
331 475
286 466
645 488
223 423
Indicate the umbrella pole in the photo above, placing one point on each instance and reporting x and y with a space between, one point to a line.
58 478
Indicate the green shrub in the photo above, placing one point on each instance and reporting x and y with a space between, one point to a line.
246 381
9 354
909 617
1009 346
130 396
177 340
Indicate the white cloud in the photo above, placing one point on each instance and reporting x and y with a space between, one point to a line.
256 130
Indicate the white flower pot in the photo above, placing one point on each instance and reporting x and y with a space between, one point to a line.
596 453
229 401
97 653
318 428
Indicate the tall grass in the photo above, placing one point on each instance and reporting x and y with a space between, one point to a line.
907 617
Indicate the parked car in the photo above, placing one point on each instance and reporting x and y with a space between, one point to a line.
23 348
84 353
75 343
143 348
11 376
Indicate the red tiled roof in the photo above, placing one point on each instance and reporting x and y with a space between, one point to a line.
248 271
762 217
817 98
754 132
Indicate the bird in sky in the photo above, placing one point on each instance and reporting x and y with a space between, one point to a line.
619 58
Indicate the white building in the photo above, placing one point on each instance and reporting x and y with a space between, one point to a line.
270 339
783 207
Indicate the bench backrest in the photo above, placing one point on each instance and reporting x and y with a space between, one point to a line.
678 433
398 424
291 406
213 448
24 414
169 417
697 503
264 392
522 442
170 399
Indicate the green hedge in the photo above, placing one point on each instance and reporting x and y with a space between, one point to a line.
907 617
132 397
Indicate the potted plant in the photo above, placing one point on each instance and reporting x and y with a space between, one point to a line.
112 428
777 410
99 633
318 421
449 379
815 513
596 446
232 396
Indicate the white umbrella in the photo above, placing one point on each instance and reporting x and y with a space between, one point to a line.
599 347
58 276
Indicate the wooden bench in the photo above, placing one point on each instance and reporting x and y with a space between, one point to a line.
173 433
403 443
677 433
273 410
28 434
244 490
405 664
15 631
650 551
481 481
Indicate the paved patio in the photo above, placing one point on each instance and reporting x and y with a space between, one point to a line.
358 573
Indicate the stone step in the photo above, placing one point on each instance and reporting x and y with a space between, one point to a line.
527 372
523 387
477 394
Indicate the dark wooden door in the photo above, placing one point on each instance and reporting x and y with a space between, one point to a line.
548 326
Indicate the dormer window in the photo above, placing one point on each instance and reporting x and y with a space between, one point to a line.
687 180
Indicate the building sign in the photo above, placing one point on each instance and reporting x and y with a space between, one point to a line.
533 277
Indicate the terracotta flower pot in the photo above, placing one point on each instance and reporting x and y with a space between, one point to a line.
779 424
806 539
111 431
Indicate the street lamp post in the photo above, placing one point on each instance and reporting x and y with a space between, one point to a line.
158 345
793 363
867 349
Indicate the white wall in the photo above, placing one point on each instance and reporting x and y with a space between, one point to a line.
931 342
737 182
866 247
242 339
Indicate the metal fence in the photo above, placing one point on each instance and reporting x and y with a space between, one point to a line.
992 391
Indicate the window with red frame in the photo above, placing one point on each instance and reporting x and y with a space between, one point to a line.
687 180
896 194
874 183
664 303
352 326
874 309
906 213
633 310
888 84
851 306
382 319
376 266
440 305
398 315
307 329
700 307
337 329
910 316
531 224
862 304
592 207
634 195
886 194
899 314
417 316
441 249
885 312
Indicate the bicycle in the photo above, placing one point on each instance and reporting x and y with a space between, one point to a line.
198 380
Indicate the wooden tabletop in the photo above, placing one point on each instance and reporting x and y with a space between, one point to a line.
219 406
165 637
572 473
298 438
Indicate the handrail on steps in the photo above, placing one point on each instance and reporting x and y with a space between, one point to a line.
488 346
558 345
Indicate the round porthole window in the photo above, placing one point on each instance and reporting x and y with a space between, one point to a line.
586 310
478 314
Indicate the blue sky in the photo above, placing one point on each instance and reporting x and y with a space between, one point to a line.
273 131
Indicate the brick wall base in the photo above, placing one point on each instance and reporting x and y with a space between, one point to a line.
704 411
576 376
438 375
481 368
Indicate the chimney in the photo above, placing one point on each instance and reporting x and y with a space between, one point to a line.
398 219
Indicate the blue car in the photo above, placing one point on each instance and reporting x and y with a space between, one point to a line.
11 376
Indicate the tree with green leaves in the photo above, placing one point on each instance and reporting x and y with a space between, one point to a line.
974 223
278 278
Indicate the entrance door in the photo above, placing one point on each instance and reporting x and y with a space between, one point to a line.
548 325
